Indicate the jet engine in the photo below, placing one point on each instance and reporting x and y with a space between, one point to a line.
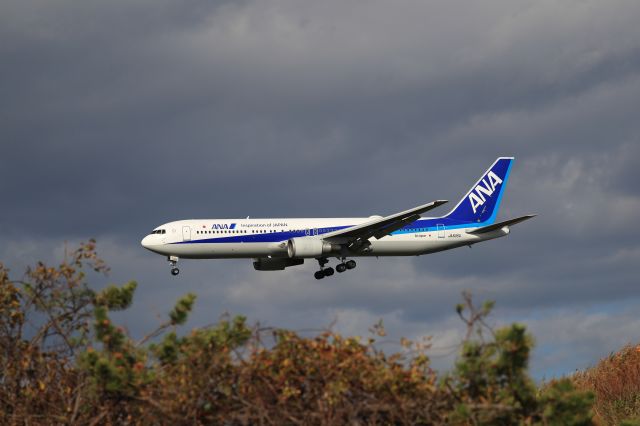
308 247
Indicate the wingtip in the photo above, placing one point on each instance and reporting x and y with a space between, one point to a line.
438 203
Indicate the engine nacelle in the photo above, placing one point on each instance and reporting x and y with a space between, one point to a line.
308 247
275 264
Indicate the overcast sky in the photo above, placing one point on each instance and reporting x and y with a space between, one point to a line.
117 116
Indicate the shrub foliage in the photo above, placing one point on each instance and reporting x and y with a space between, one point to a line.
63 361
615 381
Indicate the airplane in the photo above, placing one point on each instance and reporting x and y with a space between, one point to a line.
276 244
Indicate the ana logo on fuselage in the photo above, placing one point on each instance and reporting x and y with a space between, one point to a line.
477 195
223 226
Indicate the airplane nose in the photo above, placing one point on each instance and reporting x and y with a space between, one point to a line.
145 241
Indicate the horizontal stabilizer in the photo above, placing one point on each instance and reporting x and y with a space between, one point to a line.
496 226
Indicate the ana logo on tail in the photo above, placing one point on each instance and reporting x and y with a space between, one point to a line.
476 197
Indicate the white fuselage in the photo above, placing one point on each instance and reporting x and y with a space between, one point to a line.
259 238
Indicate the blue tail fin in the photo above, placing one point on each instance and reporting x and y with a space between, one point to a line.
480 205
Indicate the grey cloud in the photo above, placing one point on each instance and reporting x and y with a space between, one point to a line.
119 116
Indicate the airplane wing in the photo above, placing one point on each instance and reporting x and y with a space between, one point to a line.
380 227
496 226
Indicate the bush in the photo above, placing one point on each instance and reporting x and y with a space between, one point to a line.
615 381
62 360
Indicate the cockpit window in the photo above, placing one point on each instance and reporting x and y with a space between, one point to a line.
159 231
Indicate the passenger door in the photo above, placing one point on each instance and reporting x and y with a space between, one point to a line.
186 233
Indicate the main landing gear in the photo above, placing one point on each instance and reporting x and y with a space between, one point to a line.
173 260
327 272
341 267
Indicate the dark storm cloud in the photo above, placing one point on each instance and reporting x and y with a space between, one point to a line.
117 116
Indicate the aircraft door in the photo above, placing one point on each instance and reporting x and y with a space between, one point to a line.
186 233
440 227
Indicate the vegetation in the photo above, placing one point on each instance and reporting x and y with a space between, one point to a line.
615 381
63 361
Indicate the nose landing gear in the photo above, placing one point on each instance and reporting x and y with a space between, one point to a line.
173 260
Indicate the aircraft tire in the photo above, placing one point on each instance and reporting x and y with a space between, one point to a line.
175 271
319 275
341 267
328 272
351 264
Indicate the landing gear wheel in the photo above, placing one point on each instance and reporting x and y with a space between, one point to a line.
319 275
341 267
327 272
173 260
351 264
